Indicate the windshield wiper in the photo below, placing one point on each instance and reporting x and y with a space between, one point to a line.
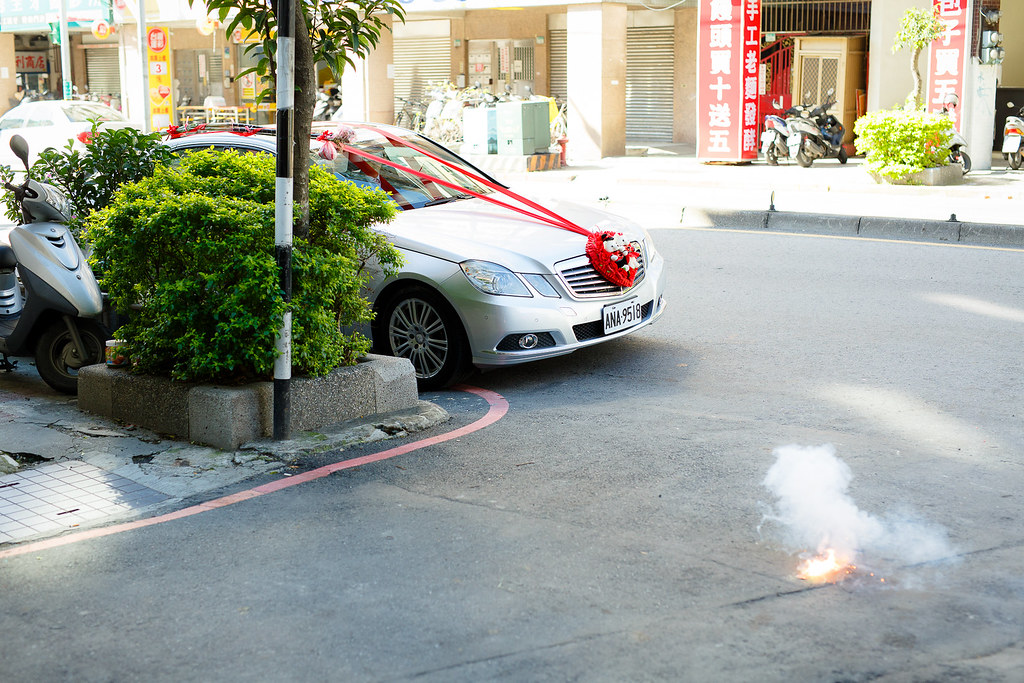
445 200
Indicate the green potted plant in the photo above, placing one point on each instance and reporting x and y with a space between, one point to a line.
907 145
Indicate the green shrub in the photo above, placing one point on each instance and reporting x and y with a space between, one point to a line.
897 142
113 156
192 248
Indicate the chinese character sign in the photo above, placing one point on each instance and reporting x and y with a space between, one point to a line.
160 103
728 63
949 56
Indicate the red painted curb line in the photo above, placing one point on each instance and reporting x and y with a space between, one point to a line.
497 407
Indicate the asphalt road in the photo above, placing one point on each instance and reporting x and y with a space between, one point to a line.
612 525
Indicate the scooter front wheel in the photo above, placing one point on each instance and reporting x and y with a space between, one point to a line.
965 162
842 156
57 359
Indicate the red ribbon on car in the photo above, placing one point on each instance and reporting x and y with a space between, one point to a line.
612 257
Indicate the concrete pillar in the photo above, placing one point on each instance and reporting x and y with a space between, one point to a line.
368 90
132 96
684 128
889 75
8 82
980 89
596 37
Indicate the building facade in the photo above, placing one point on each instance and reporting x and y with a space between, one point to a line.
627 71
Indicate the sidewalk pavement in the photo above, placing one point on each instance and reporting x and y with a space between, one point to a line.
80 469
668 187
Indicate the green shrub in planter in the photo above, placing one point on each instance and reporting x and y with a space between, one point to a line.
897 142
192 249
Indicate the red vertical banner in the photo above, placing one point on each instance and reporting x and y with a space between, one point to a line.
728 58
949 57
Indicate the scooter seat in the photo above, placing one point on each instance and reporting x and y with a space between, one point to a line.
7 260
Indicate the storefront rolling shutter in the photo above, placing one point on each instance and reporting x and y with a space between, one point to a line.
103 71
420 61
558 64
650 65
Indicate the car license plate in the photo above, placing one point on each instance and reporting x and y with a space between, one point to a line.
621 315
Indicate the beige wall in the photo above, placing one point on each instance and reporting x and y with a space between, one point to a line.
8 86
684 128
1011 25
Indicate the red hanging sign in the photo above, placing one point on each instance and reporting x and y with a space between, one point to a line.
728 61
948 59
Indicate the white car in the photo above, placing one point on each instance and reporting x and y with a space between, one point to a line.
482 284
53 123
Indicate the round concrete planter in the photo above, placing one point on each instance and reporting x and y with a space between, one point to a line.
950 174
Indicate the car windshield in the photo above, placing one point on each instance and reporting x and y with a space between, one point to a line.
82 112
362 165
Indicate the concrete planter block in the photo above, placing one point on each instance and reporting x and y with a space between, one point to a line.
227 417
950 174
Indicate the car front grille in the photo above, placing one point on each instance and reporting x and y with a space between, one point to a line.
585 283
595 329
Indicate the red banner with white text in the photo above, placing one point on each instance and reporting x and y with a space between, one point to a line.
948 59
728 58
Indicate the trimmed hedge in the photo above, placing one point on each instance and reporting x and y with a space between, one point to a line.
192 250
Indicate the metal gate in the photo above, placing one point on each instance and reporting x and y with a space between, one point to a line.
103 71
558 64
650 68
818 75
418 62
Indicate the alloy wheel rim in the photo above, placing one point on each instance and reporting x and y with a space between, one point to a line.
417 332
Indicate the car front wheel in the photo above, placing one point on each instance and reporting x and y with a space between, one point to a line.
419 325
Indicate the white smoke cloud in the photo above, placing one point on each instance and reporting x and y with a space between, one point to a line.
815 512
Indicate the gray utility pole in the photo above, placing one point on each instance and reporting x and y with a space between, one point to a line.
144 61
283 211
65 51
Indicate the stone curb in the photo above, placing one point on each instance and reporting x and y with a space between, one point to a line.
950 231
227 417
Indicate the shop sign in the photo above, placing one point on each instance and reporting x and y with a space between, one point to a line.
949 57
159 50
37 15
728 62
30 62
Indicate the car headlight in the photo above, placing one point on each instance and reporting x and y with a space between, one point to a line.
490 278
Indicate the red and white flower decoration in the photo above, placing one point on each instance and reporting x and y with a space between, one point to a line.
615 259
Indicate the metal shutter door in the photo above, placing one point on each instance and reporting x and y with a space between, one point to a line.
103 71
650 65
418 62
558 64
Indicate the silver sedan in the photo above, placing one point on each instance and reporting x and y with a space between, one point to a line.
483 283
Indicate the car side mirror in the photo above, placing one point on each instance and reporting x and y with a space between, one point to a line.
20 149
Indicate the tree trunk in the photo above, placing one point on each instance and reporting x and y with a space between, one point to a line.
305 100
914 54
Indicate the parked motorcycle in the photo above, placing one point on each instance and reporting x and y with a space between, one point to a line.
55 319
1013 137
773 139
815 134
958 145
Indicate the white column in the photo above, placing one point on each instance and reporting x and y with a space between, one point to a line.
368 90
596 42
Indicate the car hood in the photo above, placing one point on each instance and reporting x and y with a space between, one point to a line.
477 229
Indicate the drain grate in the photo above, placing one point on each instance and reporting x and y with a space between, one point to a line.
63 495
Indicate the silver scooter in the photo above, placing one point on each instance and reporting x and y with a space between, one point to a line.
50 302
